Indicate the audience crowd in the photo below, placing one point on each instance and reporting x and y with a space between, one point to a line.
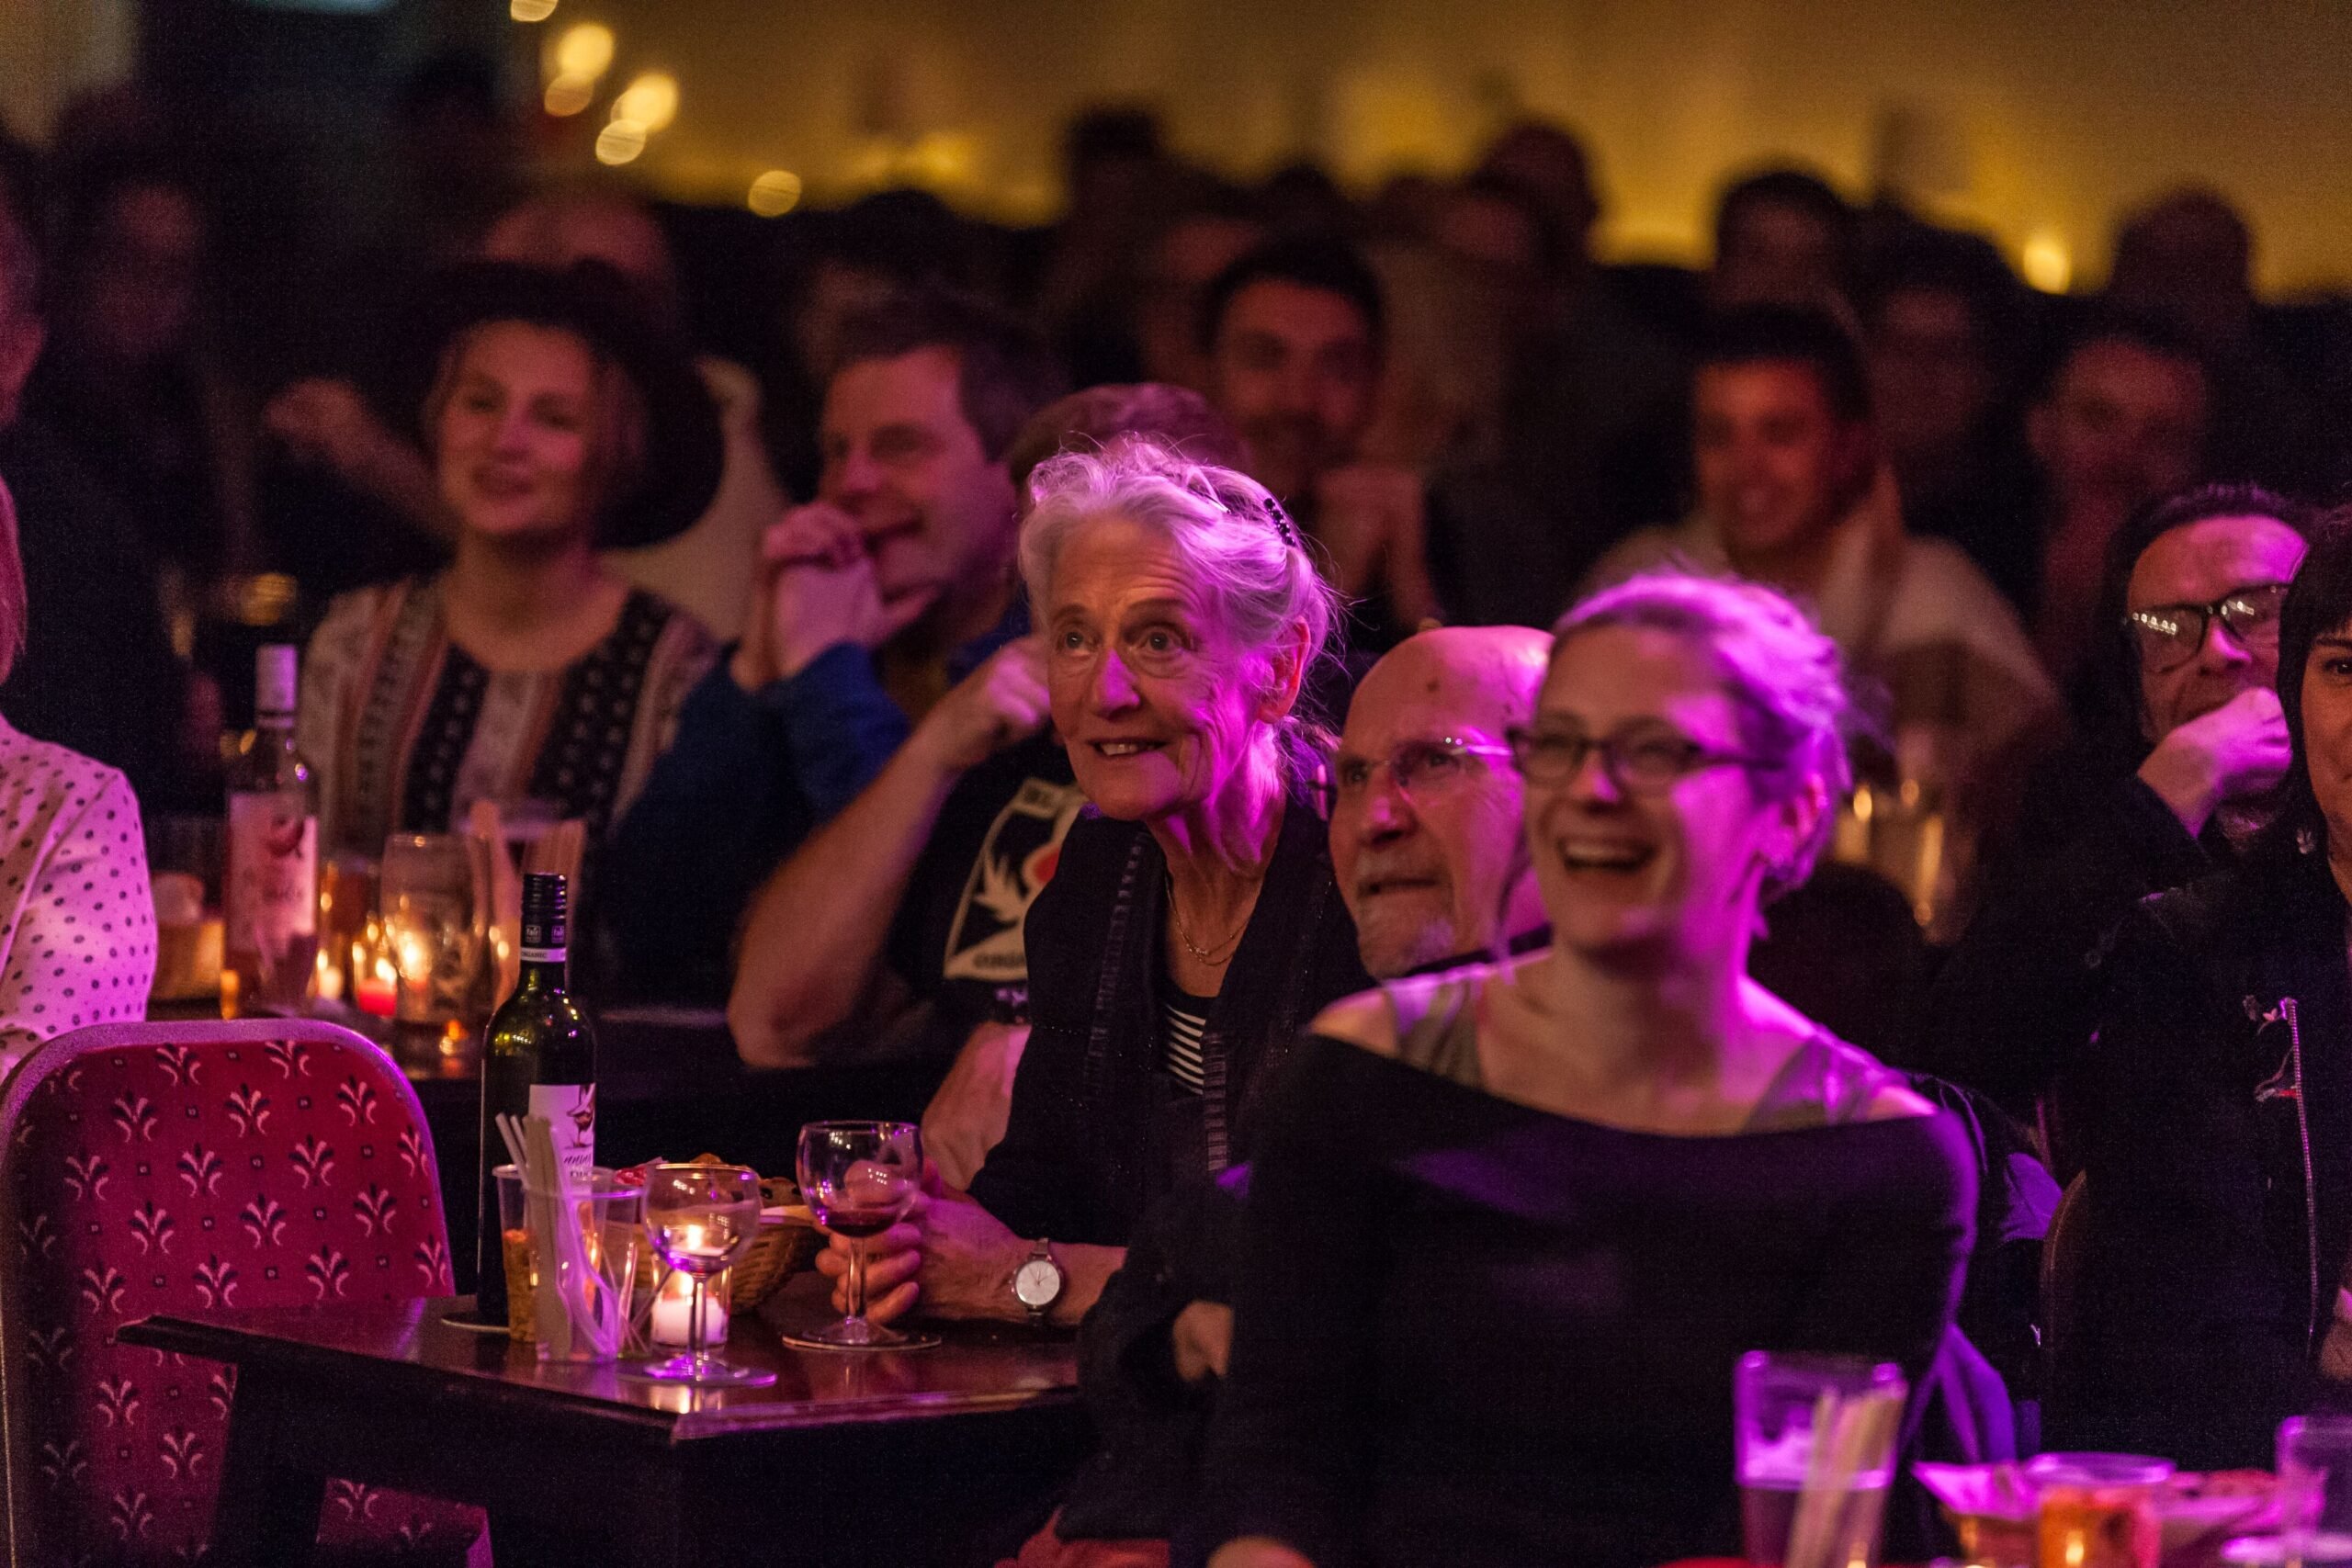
1318 720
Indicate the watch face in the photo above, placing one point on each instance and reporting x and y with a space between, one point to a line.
1037 1283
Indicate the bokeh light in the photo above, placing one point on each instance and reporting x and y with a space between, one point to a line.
569 94
651 100
530 10
775 193
584 50
620 142
2046 261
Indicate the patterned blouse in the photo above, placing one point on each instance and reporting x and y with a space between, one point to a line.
78 941
407 731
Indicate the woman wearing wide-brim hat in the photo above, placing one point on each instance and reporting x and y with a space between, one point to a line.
559 421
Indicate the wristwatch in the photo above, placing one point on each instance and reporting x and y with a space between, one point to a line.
1037 1283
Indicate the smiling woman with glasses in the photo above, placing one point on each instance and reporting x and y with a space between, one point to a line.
1512 1226
1643 758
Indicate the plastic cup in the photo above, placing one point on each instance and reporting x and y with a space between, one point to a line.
610 1227
1810 1494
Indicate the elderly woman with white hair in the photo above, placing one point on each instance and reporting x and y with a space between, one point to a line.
1193 925
1511 1227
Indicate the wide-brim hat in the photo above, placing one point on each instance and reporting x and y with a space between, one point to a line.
684 449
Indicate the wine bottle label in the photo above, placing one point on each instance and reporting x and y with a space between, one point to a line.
540 955
571 1111
272 891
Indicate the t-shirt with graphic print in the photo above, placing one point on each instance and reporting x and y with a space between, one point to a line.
956 943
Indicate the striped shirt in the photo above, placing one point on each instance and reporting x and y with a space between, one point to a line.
1184 1017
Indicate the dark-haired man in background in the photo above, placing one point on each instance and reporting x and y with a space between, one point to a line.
2120 419
97 672
1782 237
874 599
1792 490
1294 335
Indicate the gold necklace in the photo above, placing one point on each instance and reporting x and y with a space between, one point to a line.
1176 917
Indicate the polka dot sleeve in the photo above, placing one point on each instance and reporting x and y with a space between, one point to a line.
81 946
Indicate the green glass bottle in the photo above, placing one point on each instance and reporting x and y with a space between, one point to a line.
539 1058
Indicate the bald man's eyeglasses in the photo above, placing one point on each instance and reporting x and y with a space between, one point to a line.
1419 767
2168 636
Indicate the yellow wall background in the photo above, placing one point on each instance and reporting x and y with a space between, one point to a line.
2029 117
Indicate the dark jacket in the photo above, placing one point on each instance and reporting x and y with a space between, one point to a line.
1149 1425
1098 1132
2015 1002
2218 1201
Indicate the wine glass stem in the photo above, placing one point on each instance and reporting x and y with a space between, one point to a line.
695 1352
858 1283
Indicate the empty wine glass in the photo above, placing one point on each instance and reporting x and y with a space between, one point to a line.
858 1178
700 1219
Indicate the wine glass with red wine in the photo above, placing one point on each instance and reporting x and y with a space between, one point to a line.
858 1179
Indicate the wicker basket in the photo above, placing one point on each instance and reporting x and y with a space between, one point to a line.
784 1246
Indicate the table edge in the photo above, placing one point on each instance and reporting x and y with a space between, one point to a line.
173 1334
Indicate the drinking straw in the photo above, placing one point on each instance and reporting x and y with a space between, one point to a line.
513 1145
553 1214
1806 1529
1864 1426
547 1212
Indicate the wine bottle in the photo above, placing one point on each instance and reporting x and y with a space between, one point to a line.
538 1059
270 893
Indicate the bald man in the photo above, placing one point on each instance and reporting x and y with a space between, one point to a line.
1425 804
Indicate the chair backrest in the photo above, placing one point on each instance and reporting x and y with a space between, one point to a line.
2061 1272
183 1167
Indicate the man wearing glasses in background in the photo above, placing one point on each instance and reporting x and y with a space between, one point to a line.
2183 741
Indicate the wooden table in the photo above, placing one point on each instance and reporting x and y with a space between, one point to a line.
920 1457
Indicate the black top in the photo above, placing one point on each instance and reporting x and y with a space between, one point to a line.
1470 1332
2012 1010
2217 1203
1099 1131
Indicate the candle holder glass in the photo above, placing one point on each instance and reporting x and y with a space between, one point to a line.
700 1219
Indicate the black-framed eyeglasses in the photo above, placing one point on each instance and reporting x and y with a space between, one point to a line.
1640 759
2168 636
1426 767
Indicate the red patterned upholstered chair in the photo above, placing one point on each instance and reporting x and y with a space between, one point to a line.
184 1168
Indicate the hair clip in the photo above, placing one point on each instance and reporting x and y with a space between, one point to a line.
1283 524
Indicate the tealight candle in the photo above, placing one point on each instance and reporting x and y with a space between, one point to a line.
330 978
375 988
674 1309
